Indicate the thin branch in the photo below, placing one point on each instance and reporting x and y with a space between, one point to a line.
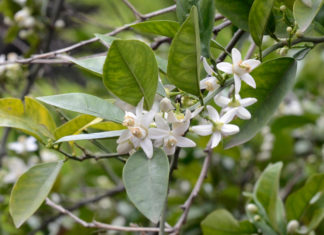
219 17
88 156
99 225
250 51
186 206
137 14
157 43
221 26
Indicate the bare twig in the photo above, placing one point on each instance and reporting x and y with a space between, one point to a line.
88 156
221 26
157 43
137 14
250 51
99 225
186 206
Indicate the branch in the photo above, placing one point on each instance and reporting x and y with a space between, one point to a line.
221 26
99 225
88 156
137 14
186 206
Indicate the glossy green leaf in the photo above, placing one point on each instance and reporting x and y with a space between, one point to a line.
258 19
166 28
237 11
107 126
184 7
32 118
221 222
162 63
298 201
317 218
146 182
75 125
31 189
273 79
184 56
206 23
105 39
266 195
86 104
305 14
92 136
91 64
292 122
131 72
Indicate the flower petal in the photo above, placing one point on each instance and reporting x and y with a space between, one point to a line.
147 147
169 151
237 83
225 67
196 112
180 128
202 83
251 63
161 123
221 101
184 142
212 112
139 108
230 129
207 67
124 136
203 130
236 56
243 113
228 116
248 79
215 139
248 101
124 147
157 133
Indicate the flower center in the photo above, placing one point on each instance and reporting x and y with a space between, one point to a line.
241 68
217 126
128 121
172 142
138 132
209 86
234 103
179 116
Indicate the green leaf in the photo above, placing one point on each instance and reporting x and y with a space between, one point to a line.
221 222
317 218
273 79
105 39
107 126
91 64
184 7
162 63
266 196
33 118
146 182
299 201
237 11
86 104
166 28
258 18
92 136
184 56
31 189
131 72
206 23
292 122
304 14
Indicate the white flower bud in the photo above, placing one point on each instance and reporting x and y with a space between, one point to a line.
29 22
283 8
59 24
166 105
289 29
283 51
22 15
251 208
124 147
256 218
7 21
299 34
292 226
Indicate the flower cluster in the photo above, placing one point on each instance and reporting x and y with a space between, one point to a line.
217 125
146 129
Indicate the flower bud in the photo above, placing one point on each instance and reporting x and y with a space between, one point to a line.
292 226
166 105
124 147
283 8
256 218
299 34
251 208
289 29
283 51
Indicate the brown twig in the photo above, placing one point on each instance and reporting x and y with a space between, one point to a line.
137 14
88 156
221 26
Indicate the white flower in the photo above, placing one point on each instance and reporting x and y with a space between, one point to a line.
219 127
177 118
137 132
22 15
236 106
169 138
16 167
24 145
210 83
240 69
166 105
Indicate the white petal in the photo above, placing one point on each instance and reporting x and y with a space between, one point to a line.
156 133
196 112
184 142
203 130
187 115
248 101
124 136
248 79
169 151
212 112
158 143
215 139
228 116
180 128
139 108
17 147
221 101
202 83
147 118
161 123
171 117
236 56
229 129
207 67
243 113
225 67
147 147
237 83
251 63
124 147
